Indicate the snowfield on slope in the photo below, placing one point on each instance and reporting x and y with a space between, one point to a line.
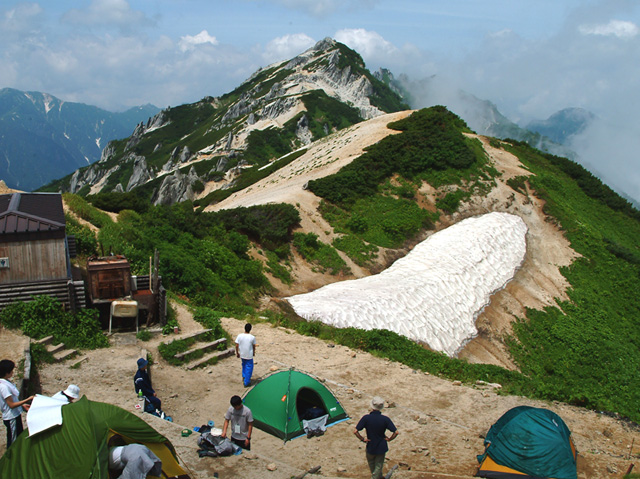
433 294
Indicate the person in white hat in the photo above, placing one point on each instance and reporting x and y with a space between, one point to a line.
68 395
376 424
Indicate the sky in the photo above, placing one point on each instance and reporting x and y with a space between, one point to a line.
530 58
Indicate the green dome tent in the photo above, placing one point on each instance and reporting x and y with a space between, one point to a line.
77 449
278 403
528 443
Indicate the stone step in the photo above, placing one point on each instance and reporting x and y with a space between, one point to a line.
203 347
45 340
195 335
216 355
52 349
64 354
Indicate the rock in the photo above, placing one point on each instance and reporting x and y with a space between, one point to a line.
422 420
272 467
391 404
273 368
457 383
342 469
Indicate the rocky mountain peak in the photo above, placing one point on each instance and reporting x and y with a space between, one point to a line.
280 108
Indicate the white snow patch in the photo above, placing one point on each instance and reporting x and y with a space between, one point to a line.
98 142
434 293
66 136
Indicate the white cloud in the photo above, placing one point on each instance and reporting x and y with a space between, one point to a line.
107 13
615 28
286 47
21 17
366 43
189 42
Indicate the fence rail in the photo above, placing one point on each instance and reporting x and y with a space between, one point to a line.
70 293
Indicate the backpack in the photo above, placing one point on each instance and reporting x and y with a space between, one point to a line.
221 446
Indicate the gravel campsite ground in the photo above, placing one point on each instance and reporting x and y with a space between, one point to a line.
441 423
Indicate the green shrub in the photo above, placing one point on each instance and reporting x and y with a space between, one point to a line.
451 202
319 253
143 335
116 202
276 269
360 252
86 211
518 183
431 139
45 316
86 241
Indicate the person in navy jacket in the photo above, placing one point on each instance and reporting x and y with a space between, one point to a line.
142 383
376 425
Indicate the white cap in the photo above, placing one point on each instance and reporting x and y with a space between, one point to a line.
72 391
377 403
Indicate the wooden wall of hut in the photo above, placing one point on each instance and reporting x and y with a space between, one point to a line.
36 260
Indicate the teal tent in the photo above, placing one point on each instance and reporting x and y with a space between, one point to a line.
279 401
78 448
528 443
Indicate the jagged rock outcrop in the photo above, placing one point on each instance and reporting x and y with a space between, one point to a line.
141 173
90 176
185 154
176 188
108 152
302 130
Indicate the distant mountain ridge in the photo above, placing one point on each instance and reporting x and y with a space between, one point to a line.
564 124
279 109
43 137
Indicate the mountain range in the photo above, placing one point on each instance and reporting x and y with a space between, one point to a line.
279 109
43 138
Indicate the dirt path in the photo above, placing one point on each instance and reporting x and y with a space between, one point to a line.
440 422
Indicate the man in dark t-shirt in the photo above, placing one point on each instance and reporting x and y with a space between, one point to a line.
376 425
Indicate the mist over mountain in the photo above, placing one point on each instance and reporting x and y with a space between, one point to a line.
43 137
562 125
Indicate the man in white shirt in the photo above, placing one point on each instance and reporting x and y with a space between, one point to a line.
245 350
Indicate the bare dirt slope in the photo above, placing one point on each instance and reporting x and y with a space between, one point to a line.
536 284
441 423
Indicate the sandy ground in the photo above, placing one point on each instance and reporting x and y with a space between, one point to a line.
441 423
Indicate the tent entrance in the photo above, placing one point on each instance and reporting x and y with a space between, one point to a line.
309 404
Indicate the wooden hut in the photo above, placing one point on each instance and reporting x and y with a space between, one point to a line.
34 249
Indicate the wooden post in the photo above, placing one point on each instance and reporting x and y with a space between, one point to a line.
156 260
72 296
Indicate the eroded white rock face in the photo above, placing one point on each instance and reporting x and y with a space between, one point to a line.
433 294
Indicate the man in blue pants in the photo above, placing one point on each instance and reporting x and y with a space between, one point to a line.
245 350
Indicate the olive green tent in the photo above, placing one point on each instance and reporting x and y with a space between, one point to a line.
279 401
528 443
77 449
